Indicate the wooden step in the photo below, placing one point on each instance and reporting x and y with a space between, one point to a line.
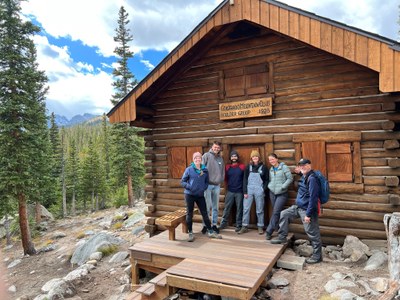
160 279
134 296
147 289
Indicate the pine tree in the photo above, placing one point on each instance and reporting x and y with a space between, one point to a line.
22 115
72 173
127 162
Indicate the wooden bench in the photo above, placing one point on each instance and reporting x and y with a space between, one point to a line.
172 220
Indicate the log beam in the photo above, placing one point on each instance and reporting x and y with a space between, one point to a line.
391 144
392 181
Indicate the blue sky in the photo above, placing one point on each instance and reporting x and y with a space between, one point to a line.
75 47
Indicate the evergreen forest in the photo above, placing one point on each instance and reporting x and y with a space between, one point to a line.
69 171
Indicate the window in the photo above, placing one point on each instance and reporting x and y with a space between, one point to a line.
247 81
336 160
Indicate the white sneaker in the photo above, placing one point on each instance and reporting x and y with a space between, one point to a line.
191 237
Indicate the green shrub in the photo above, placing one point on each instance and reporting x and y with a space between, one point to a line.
108 249
120 197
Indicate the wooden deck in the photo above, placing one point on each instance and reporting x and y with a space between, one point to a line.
234 266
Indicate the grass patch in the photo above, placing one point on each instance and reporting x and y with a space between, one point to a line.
80 235
117 226
108 249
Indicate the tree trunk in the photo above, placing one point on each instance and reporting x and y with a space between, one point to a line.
97 201
73 212
64 194
38 213
392 226
92 200
131 198
27 244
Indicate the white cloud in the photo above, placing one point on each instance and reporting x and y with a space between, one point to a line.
73 85
148 65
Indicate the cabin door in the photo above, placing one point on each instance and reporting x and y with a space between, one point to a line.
244 157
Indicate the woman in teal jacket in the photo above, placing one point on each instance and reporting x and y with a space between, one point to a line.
280 178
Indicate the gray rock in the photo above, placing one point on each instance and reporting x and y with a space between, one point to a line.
376 261
379 284
128 270
14 263
83 252
51 284
133 219
304 250
335 284
58 235
279 282
76 274
96 255
119 257
137 230
343 294
12 289
354 249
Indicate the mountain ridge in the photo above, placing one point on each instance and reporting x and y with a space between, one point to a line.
88 118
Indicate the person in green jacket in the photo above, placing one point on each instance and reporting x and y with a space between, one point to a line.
280 178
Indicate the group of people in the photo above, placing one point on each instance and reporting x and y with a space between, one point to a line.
244 184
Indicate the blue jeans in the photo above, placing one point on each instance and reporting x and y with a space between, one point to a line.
230 199
311 229
259 199
277 202
212 201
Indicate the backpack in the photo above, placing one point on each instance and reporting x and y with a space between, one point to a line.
324 190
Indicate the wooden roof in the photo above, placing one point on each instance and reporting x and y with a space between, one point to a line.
370 50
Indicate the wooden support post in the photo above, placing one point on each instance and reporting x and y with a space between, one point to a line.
392 227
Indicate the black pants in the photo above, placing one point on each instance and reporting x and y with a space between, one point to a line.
201 204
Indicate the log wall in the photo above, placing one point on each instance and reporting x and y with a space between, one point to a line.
314 92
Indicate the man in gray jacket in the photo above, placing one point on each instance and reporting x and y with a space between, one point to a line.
216 172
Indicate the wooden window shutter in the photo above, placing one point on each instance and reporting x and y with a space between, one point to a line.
315 151
176 161
179 158
234 82
189 153
340 162
256 79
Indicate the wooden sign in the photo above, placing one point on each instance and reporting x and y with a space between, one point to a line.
246 109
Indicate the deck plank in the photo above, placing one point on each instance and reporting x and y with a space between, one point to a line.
233 264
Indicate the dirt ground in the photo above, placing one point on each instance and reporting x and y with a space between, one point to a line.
104 281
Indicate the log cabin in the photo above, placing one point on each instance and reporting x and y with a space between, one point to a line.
259 74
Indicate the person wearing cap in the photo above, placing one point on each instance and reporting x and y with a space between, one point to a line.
234 182
195 182
216 172
280 178
255 181
306 208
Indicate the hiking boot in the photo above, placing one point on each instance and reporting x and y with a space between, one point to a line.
214 235
204 230
242 230
222 226
260 230
268 236
237 229
191 237
279 241
215 229
313 260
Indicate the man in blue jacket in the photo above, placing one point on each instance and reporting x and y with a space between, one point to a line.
306 208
